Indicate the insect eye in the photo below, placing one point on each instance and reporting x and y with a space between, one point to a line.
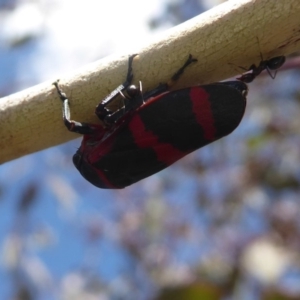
133 90
276 62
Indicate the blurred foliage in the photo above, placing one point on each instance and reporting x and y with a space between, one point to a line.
191 292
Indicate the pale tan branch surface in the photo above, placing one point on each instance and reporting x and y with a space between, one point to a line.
222 39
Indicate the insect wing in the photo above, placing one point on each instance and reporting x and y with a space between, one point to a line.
165 129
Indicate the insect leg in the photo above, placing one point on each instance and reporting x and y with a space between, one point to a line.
101 110
164 87
74 126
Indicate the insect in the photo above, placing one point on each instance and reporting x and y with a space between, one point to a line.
152 130
272 64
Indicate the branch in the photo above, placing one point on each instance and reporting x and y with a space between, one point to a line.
233 34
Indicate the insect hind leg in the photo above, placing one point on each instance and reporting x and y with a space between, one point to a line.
164 87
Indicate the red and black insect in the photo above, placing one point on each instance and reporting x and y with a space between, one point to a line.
270 65
154 129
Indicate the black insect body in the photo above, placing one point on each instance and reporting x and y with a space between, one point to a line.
272 64
153 129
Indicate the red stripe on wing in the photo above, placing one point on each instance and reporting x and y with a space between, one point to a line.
203 112
143 138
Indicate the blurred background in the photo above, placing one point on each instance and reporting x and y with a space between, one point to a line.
222 223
